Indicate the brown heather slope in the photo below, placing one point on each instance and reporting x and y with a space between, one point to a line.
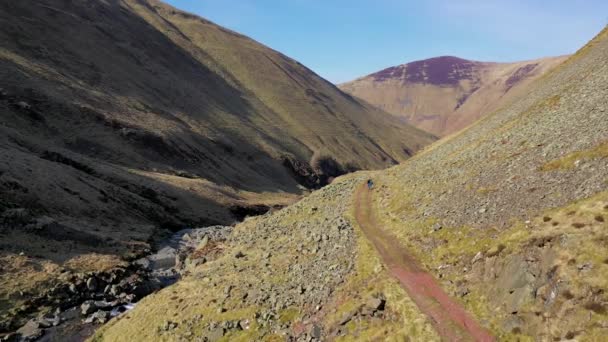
509 216
443 95
119 119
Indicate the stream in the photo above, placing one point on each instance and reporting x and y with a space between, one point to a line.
151 273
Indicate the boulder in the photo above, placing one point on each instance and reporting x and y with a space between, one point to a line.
315 332
22 105
376 304
31 331
215 334
92 284
143 263
88 307
100 317
203 242
164 258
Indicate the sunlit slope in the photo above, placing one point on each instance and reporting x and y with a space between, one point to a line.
510 213
443 95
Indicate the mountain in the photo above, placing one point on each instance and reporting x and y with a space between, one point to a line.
122 119
495 233
443 95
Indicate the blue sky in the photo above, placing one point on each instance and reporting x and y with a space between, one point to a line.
344 39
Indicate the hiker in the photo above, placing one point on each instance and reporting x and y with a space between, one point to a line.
370 184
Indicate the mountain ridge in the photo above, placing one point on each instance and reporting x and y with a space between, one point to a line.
445 94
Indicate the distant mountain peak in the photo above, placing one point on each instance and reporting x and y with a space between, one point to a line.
446 93
441 71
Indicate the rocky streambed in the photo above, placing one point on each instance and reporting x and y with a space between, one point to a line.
89 300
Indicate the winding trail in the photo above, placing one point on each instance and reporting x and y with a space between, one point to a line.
448 317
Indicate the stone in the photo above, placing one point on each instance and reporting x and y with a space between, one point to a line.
163 259
30 331
100 317
215 334
114 290
462 291
180 260
143 263
375 304
239 255
88 307
203 242
477 257
513 323
437 227
92 284
585 267
23 105
244 324
347 317
169 325
49 320
315 332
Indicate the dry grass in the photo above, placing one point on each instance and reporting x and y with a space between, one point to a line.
581 222
570 161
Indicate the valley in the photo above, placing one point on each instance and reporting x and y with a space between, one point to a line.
507 218
164 178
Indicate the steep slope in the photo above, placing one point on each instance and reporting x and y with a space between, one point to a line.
121 119
509 216
445 94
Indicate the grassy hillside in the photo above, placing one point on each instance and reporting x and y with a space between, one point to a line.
508 215
122 119
445 94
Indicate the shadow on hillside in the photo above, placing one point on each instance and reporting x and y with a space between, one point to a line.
178 109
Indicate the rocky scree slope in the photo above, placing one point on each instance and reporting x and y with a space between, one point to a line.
303 273
443 95
120 119
510 214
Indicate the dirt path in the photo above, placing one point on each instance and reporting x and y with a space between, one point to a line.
448 317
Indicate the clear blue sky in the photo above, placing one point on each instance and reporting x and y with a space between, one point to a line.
344 39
